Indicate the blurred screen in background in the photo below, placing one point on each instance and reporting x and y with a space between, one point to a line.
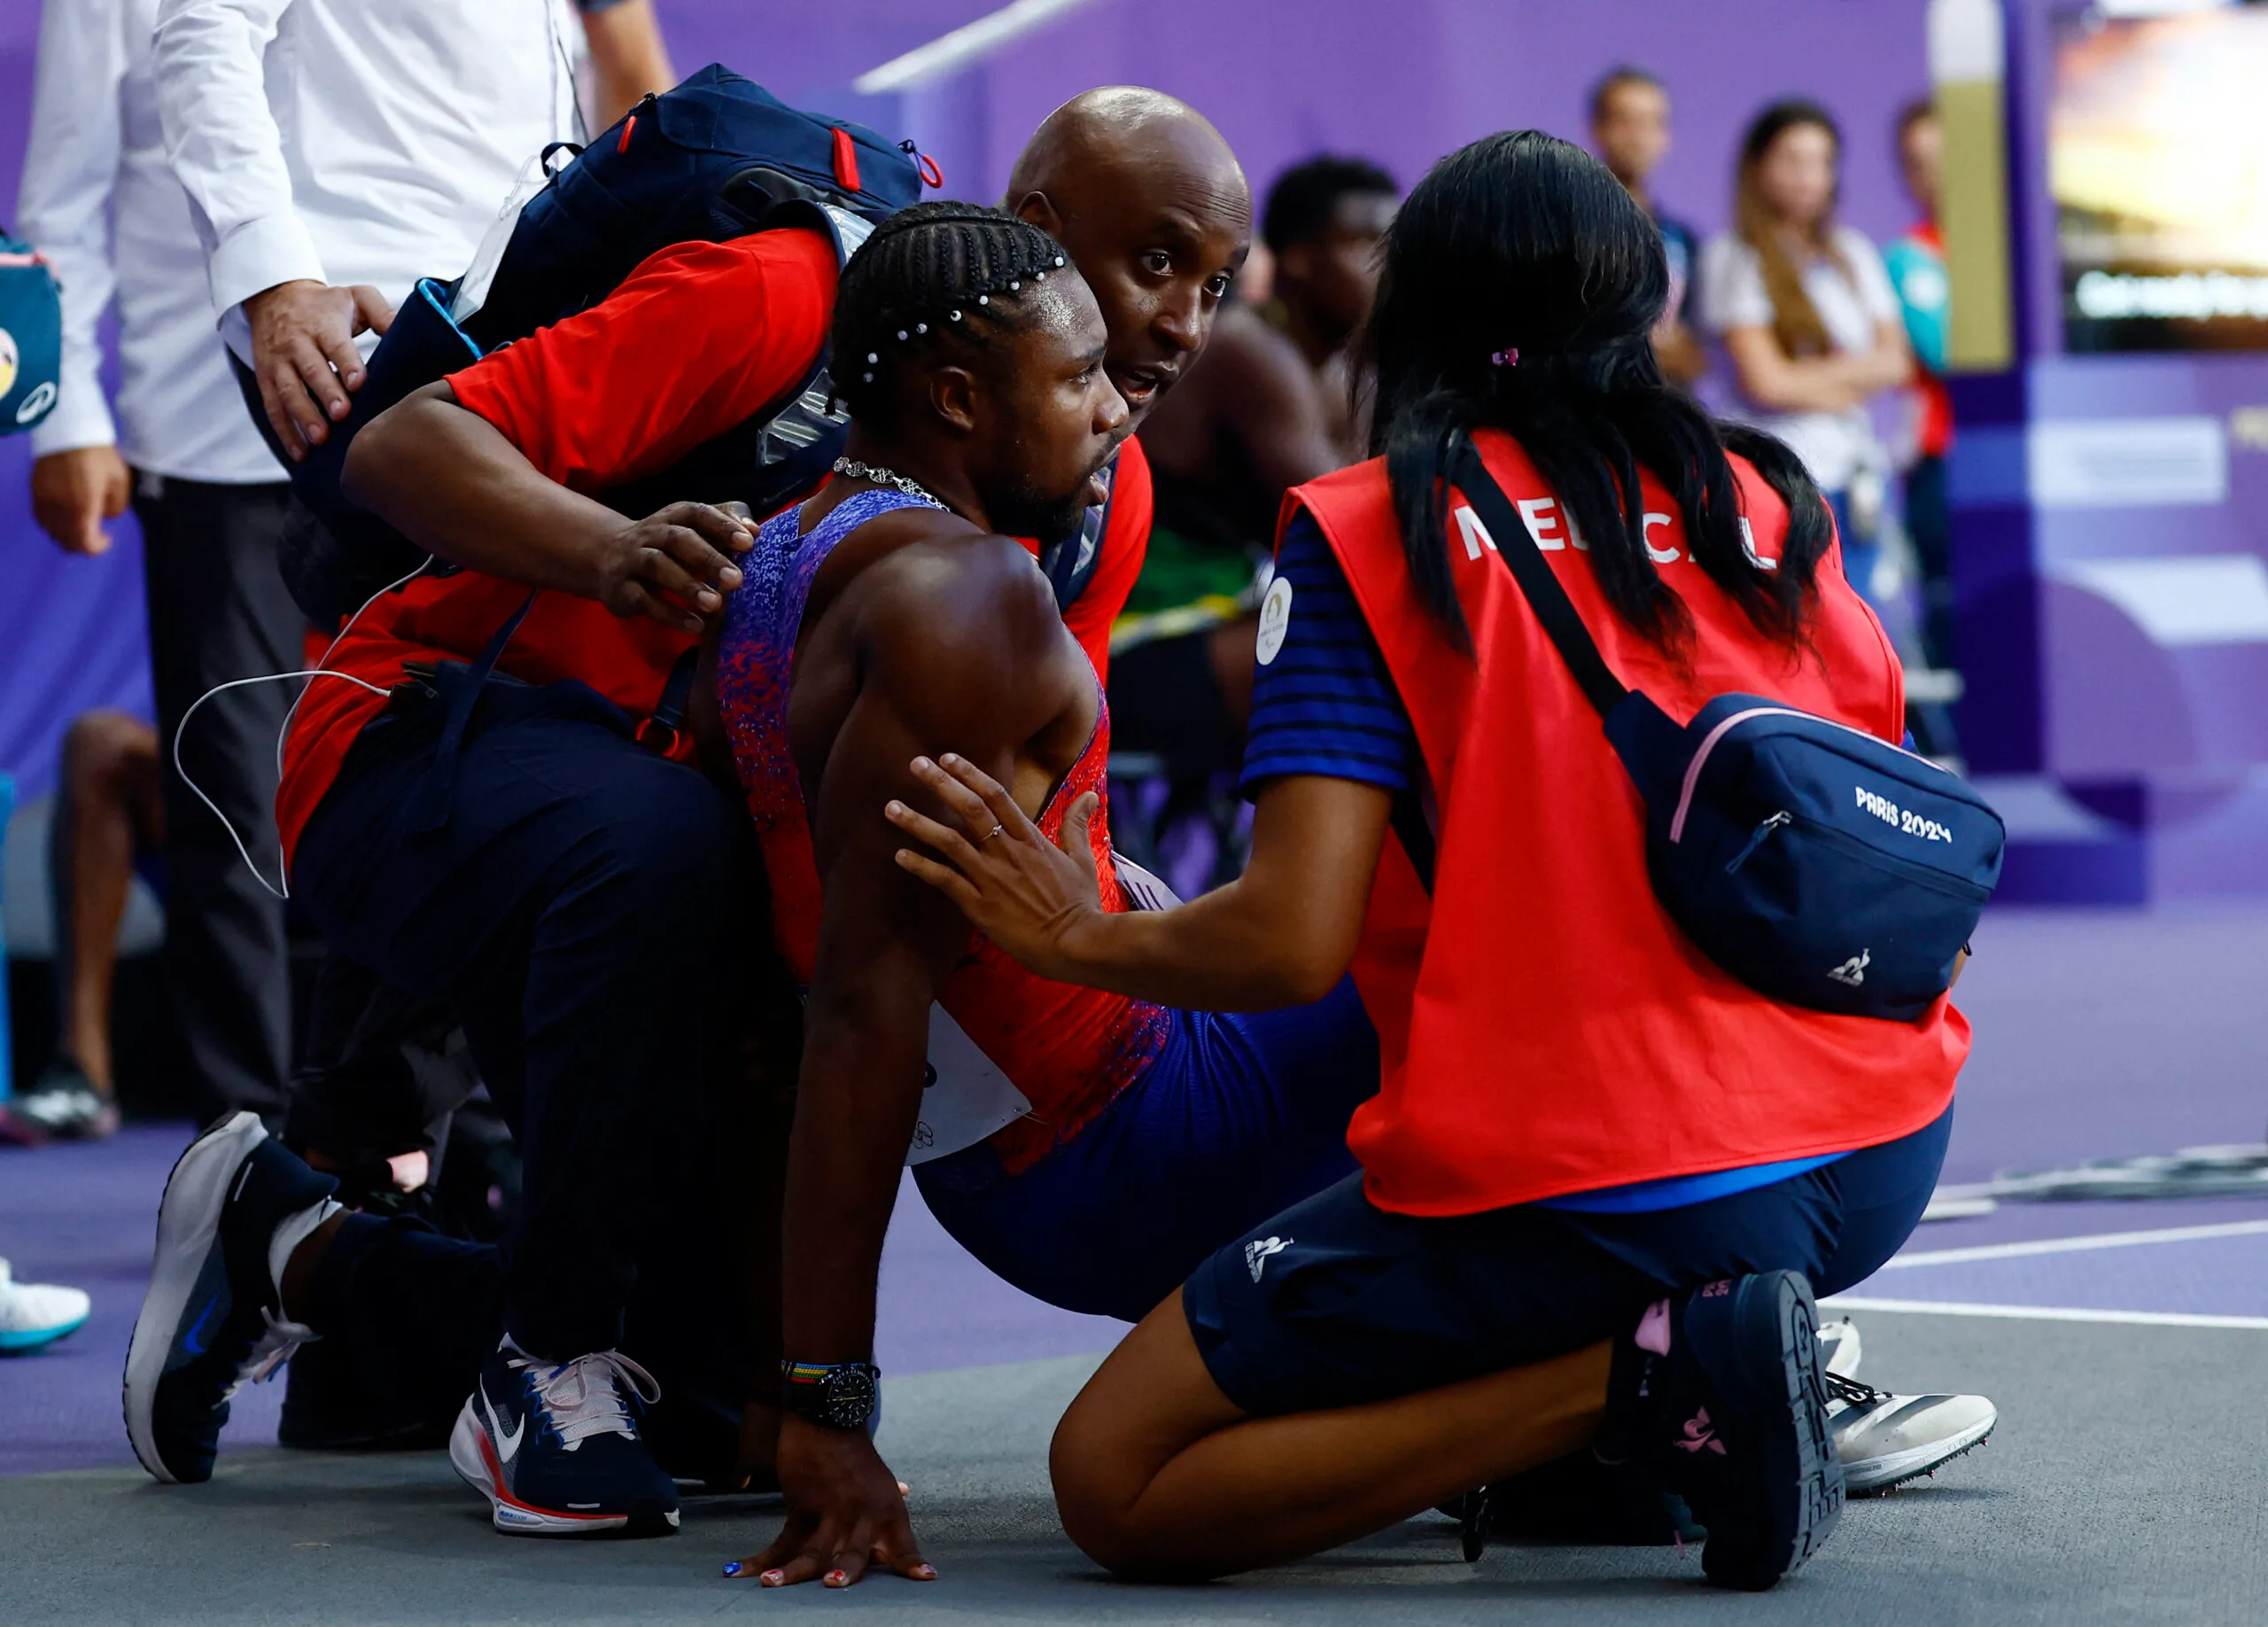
2157 160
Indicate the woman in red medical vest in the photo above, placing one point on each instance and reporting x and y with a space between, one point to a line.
1601 1179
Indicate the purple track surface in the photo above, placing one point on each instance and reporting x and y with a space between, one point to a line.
2099 1034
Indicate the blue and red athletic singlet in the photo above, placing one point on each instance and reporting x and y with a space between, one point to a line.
1069 1050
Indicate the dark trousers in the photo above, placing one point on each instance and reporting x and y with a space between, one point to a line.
217 610
1336 1302
588 910
380 1070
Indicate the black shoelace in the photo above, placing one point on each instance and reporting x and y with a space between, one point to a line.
1850 1389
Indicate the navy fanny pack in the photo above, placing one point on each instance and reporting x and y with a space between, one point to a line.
1816 863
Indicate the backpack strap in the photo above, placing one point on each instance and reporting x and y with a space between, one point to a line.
1535 580
665 726
1409 824
430 811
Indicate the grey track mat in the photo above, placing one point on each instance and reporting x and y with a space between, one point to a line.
2123 1487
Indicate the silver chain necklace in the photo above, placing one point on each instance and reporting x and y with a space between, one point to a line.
880 476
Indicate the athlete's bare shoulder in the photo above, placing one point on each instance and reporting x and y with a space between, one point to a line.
962 614
958 592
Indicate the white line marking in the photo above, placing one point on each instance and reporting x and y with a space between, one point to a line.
2074 1245
948 53
2043 1313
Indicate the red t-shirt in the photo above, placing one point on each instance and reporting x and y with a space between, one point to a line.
1933 436
1125 544
696 339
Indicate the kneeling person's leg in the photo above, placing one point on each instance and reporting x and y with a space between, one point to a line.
1330 1373
1404 1358
1158 1474
572 908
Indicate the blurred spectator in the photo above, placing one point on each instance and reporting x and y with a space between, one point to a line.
1267 405
99 201
1809 318
108 818
1630 133
628 60
1916 263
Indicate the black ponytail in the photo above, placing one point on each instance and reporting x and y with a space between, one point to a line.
1519 292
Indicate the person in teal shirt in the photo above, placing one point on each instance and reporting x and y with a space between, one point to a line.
1916 263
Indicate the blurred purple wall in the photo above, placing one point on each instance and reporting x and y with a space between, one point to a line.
1404 82
1407 82
72 633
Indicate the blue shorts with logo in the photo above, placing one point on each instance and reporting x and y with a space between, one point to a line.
1240 1117
1335 1302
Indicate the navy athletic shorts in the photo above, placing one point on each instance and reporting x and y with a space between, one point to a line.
1240 1117
1335 1302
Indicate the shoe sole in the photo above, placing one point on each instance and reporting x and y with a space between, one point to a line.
473 1455
1873 1477
189 1222
19 1341
1797 1446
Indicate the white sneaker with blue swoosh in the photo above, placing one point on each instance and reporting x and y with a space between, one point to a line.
554 1446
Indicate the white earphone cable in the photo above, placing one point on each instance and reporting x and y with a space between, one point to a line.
282 887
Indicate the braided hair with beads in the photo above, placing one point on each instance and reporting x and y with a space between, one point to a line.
938 276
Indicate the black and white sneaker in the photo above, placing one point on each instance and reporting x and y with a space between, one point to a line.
1579 1500
63 1105
1723 1390
213 1320
1884 1440
555 1447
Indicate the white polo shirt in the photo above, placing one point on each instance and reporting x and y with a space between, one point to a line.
356 141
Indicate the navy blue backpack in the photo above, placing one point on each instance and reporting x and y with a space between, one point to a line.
1814 862
717 158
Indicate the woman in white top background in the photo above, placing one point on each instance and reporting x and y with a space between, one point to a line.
1808 318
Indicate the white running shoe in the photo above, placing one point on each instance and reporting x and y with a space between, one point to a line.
1884 1440
33 1315
1838 1347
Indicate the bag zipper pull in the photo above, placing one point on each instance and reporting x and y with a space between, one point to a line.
1757 839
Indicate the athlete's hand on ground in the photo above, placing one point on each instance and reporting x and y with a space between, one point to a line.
1019 889
304 357
675 567
845 1512
75 492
